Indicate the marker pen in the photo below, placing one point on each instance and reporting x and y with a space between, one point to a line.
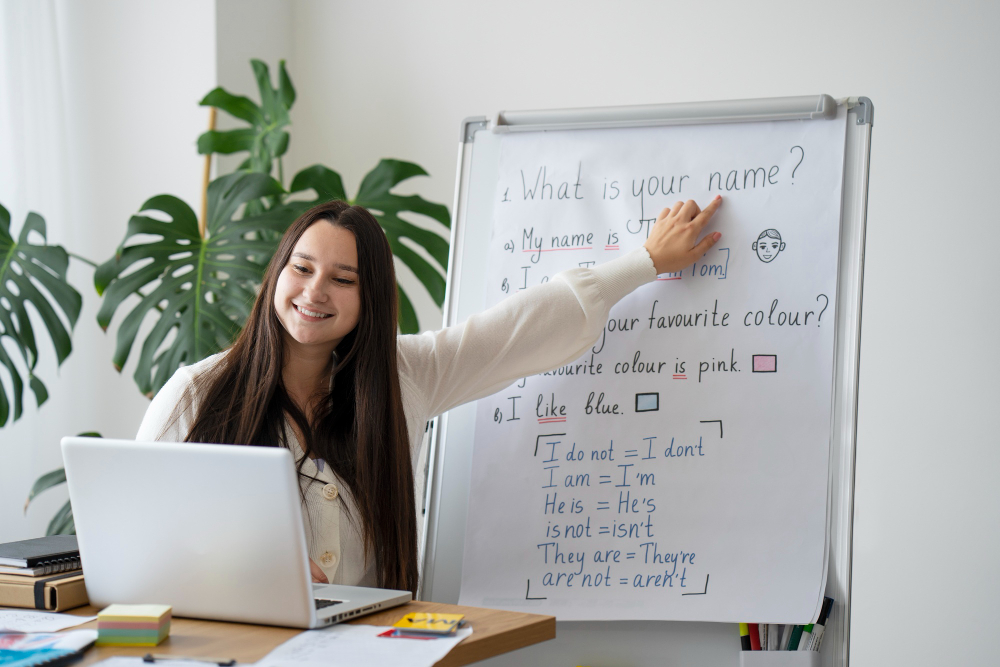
820 627
793 641
786 634
773 636
744 637
805 637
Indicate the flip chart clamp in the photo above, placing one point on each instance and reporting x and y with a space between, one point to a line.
804 107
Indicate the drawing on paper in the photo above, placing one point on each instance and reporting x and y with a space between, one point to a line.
649 402
768 245
765 363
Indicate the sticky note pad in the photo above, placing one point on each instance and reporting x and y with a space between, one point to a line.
439 624
133 624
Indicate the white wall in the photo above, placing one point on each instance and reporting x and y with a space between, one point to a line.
131 75
395 79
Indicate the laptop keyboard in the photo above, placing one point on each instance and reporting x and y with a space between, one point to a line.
323 604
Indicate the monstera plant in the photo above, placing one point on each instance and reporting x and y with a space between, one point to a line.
198 284
266 139
195 281
62 522
32 274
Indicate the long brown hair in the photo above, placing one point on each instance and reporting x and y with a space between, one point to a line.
359 428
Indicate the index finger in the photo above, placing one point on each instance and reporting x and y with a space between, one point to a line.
706 214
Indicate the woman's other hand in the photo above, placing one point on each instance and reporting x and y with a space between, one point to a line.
318 576
673 240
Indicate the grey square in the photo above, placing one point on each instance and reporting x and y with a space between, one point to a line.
647 402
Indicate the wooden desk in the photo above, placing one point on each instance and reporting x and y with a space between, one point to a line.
493 632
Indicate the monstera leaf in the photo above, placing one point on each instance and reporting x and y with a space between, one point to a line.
62 523
24 268
375 195
200 288
266 138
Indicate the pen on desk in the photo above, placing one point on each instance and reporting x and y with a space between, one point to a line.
153 657
820 626
754 636
744 637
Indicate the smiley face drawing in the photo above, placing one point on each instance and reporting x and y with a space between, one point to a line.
768 245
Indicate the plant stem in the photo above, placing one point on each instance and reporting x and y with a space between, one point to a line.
82 259
281 173
203 221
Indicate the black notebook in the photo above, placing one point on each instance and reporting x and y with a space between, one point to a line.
39 551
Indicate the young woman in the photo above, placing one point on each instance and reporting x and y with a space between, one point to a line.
319 369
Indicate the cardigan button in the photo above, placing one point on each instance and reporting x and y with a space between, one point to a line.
328 559
330 491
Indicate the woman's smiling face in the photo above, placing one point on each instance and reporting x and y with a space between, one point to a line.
317 297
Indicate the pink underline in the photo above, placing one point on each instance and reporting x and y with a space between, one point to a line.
554 249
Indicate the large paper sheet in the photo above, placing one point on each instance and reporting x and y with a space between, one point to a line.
28 620
352 645
678 470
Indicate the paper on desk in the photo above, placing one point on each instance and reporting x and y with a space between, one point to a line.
27 620
352 645
18 649
69 641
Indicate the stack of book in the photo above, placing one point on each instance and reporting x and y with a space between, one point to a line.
43 573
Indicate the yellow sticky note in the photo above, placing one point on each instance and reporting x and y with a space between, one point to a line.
133 612
425 622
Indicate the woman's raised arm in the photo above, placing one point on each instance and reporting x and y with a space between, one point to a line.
544 326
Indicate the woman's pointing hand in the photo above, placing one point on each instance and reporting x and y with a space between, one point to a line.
673 240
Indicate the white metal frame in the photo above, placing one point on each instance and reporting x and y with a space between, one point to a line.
447 487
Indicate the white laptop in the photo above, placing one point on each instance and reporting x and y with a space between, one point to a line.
215 531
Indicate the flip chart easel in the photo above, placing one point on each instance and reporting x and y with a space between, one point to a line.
448 488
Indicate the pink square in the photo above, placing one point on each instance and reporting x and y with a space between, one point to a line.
765 363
